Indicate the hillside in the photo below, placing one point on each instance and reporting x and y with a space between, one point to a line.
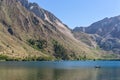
105 32
28 32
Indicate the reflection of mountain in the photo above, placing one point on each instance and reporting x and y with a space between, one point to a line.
24 73
45 74
75 74
54 74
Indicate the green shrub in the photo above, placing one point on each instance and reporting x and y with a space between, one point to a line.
6 58
35 58
60 51
41 44
31 42
37 44
3 57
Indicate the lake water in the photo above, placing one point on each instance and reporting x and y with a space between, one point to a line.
60 70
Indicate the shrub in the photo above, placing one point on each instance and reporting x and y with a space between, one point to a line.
60 51
37 44
41 44
35 58
3 57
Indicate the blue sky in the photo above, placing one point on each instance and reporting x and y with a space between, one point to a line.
81 12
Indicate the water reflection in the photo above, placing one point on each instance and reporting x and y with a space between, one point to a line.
7 73
59 70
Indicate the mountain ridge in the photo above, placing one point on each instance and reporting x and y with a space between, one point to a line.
108 30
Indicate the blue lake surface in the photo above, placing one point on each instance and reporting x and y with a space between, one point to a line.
60 70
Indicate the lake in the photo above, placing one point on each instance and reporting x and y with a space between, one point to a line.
60 70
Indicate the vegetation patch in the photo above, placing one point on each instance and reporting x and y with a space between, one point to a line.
3 57
38 44
28 58
37 58
60 51
7 58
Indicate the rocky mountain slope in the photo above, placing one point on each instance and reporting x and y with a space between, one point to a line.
106 33
28 32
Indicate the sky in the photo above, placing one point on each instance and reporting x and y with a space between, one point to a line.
77 13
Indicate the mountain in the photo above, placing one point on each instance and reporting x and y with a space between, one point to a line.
29 32
38 11
107 32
